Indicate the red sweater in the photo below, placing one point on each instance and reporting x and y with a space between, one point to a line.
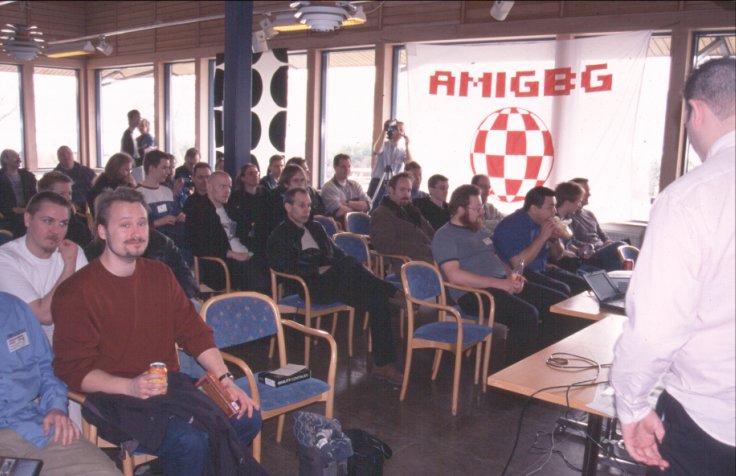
122 324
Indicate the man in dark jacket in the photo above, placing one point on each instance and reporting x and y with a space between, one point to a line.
300 246
17 186
398 227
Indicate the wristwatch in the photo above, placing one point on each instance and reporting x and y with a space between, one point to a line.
226 375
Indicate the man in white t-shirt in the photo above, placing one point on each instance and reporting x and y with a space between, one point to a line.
35 264
166 216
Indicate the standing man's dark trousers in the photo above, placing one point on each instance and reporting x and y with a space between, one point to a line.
689 450
349 282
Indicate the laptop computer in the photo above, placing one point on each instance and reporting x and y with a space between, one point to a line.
606 291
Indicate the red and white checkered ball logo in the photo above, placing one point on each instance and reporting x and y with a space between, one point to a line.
514 147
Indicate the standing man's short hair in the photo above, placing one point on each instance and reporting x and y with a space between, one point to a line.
121 194
50 179
153 158
133 113
461 197
568 192
476 178
713 83
536 197
34 204
338 158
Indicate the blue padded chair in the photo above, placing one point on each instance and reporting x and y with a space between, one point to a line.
358 223
423 286
328 223
294 304
243 317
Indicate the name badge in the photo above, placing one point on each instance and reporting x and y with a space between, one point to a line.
17 341
487 241
161 208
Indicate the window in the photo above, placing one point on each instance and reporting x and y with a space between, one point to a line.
180 108
11 119
708 46
347 114
120 90
56 93
649 130
296 126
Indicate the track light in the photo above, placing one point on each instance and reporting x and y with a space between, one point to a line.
104 47
501 8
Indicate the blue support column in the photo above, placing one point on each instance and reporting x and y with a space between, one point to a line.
238 66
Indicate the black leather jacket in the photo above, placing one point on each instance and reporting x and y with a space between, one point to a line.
285 252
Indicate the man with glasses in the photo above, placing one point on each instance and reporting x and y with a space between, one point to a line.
434 208
466 255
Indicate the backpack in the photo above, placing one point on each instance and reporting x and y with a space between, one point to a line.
368 454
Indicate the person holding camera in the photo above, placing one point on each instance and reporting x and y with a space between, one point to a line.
388 153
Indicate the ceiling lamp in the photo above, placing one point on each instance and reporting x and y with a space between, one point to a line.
65 50
327 16
21 42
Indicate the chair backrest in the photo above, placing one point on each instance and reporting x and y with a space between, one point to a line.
358 222
242 317
327 223
353 245
421 281
628 252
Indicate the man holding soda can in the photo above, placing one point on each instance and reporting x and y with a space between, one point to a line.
121 315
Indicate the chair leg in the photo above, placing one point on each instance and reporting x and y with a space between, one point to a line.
271 346
365 321
128 467
436 363
486 361
257 447
334 325
407 369
478 352
402 315
456 381
351 329
280 428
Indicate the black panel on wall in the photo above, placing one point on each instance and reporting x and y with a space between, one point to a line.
268 115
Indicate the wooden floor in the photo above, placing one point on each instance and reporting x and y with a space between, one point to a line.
426 439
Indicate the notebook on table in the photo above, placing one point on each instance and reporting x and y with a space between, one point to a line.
606 291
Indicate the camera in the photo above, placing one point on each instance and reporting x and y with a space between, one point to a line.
392 128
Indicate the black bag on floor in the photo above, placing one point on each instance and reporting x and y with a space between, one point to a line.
368 454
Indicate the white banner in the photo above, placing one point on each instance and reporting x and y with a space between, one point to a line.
529 114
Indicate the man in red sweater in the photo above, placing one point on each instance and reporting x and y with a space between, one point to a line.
124 312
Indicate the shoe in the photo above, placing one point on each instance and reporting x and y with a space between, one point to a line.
388 373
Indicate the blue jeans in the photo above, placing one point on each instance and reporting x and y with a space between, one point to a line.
185 450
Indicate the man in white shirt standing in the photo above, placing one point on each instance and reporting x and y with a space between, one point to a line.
682 313
34 265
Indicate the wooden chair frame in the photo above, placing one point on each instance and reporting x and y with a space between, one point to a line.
203 288
308 312
446 313
327 397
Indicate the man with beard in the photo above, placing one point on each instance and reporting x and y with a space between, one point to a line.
398 227
34 265
467 257
123 312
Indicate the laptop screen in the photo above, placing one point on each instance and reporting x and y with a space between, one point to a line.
601 285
